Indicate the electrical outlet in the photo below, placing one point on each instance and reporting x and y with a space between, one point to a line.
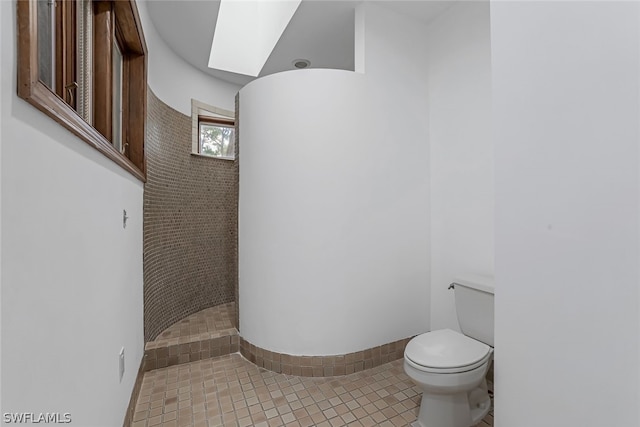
121 363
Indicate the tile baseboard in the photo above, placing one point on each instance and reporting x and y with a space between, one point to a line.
323 366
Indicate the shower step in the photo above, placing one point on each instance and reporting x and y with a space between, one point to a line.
197 348
205 334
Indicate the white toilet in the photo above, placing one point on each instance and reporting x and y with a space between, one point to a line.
450 367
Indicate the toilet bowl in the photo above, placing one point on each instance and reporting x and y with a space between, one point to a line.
451 367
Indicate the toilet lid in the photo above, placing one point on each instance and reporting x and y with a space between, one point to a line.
445 349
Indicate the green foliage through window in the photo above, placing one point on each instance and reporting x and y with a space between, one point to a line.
217 140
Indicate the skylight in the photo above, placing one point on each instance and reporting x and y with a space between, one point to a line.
246 33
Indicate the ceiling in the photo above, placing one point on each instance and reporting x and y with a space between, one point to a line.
321 31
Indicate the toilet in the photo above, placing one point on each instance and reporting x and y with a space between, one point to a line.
450 367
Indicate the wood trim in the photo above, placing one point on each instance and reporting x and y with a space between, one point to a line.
127 15
71 43
103 38
49 103
217 121
137 109
27 47
60 37
31 89
133 48
66 50
127 122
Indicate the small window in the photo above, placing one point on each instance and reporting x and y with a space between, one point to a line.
213 131
216 137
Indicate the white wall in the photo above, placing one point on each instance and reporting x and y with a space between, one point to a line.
71 275
174 81
566 110
462 187
334 212
3 76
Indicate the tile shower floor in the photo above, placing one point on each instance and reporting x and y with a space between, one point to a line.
231 391
200 325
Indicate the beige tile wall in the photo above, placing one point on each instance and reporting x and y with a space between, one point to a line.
190 223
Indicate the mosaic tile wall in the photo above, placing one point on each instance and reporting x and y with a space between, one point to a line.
190 223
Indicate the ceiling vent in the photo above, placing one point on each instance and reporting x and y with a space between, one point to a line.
301 63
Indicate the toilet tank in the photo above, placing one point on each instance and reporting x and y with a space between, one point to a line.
474 306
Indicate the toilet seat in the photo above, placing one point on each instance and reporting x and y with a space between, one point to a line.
446 351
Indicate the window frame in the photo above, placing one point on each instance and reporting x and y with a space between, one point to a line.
207 113
219 122
65 51
108 15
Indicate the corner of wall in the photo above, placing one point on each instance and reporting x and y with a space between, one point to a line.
461 157
359 38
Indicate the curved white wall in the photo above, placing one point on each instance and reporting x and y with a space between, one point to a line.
174 81
333 216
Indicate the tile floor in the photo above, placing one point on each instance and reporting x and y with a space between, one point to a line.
231 391
200 324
